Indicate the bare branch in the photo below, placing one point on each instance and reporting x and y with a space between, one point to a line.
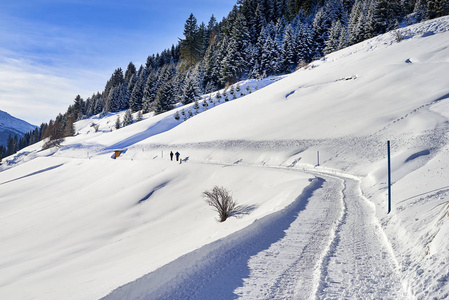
222 202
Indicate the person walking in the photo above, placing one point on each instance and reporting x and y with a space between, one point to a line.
171 155
177 155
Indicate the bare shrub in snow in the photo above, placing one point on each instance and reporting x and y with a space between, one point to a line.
52 143
222 202
95 126
301 64
398 36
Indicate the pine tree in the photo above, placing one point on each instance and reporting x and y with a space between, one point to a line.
124 97
78 107
177 116
289 50
321 25
130 72
69 128
343 41
269 59
421 10
11 145
196 107
232 91
127 118
332 44
99 105
304 43
356 19
261 20
385 15
210 87
205 104
139 116
2 153
190 90
190 45
135 102
218 96
150 91
164 98
437 8
234 64
117 122
113 100
211 63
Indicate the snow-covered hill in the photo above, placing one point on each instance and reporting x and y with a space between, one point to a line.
78 224
10 125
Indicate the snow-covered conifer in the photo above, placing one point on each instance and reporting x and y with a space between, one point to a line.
139 116
196 107
177 116
127 118
334 38
117 122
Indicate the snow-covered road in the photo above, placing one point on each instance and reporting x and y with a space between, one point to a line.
334 249
326 245
291 267
359 263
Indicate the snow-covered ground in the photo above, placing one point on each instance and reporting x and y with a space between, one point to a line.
10 125
77 224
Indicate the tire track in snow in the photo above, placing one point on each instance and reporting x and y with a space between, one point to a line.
215 270
290 268
359 264
325 245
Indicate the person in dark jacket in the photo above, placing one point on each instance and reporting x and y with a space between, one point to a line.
177 155
171 155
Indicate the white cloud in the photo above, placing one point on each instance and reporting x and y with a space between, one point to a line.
52 50
35 94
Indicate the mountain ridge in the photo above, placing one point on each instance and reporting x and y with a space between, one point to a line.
10 125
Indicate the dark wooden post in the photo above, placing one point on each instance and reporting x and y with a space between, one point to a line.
389 178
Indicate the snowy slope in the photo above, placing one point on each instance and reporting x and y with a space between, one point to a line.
10 125
78 224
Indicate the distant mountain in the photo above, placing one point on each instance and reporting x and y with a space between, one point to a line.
11 125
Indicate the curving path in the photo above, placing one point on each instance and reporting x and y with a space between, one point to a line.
325 245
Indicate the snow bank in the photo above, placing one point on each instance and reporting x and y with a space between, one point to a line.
76 222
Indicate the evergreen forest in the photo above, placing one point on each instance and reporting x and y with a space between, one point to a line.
258 38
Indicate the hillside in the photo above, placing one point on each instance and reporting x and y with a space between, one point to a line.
10 125
79 224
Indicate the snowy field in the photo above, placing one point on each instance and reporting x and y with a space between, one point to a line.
304 155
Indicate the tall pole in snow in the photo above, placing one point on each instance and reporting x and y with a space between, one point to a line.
318 157
389 178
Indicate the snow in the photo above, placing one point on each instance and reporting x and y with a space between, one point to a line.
10 122
78 224
10 125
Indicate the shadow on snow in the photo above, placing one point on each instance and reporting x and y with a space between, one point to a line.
215 270
32 174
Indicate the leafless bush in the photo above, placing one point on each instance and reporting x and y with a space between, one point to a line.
222 202
301 64
95 126
52 143
398 36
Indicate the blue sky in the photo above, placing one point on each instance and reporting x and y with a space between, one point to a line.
52 50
